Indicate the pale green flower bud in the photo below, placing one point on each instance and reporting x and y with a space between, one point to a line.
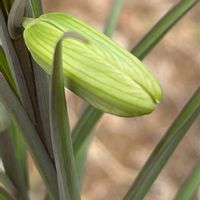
100 71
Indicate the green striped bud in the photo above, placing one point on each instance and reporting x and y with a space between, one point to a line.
100 71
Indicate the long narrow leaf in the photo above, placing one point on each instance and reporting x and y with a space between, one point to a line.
89 118
162 27
141 50
15 66
4 195
7 5
15 18
20 151
11 164
190 185
60 131
15 30
41 85
42 90
9 158
82 141
7 183
113 17
30 136
165 148
18 143
47 197
5 70
36 6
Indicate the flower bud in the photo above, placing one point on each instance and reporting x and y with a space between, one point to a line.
99 71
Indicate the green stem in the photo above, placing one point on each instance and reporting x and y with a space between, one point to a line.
60 131
148 42
4 195
190 185
89 118
41 83
31 137
7 183
15 66
20 150
165 148
11 165
113 17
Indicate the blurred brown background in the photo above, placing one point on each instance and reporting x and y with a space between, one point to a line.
121 146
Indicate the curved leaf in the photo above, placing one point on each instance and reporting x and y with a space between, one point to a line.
190 185
31 137
165 148
4 68
4 195
113 17
60 131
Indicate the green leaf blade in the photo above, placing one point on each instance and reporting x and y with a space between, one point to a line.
41 84
4 68
60 132
4 195
190 185
7 183
20 150
36 7
31 137
113 17
165 148
9 157
15 66
157 32
11 165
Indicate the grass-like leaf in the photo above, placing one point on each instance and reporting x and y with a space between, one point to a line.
5 70
7 5
4 195
15 29
11 165
81 141
20 151
36 5
15 66
190 185
162 27
7 183
165 148
15 17
113 17
42 90
60 130
48 197
89 117
41 85
9 156
30 136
